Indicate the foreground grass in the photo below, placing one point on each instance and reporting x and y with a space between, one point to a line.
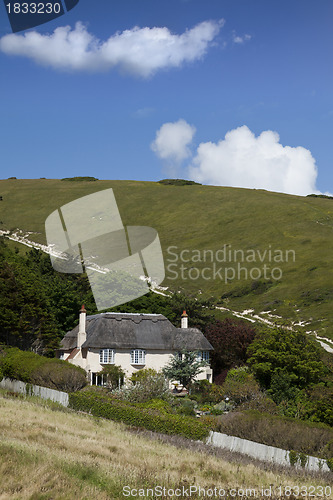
46 454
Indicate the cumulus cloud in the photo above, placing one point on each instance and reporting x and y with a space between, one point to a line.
243 160
173 140
139 51
240 159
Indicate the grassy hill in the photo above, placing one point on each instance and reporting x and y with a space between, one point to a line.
290 234
49 454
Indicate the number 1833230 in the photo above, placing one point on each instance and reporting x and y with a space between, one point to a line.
33 8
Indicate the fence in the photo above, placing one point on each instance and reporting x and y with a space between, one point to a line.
34 390
266 453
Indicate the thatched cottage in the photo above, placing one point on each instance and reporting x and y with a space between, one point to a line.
132 341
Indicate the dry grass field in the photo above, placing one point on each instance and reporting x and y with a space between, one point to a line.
50 454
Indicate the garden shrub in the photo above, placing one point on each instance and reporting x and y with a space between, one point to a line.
150 384
184 406
151 419
156 404
142 375
205 392
34 369
114 376
59 375
240 385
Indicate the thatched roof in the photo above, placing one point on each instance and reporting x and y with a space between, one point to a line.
136 331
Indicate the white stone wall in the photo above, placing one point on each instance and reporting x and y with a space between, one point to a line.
34 390
261 451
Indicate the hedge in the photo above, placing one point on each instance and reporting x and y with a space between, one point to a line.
39 370
101 406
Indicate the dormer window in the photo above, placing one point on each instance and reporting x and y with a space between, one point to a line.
138 357
106 356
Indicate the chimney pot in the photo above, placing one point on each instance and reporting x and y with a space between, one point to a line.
184 320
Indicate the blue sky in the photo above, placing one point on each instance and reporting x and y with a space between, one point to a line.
108 100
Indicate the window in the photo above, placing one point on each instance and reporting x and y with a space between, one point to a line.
106 356
138 357
203 356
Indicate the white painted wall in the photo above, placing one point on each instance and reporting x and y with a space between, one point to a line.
154 359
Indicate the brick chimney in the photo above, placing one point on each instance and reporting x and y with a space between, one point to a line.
82 336
184 320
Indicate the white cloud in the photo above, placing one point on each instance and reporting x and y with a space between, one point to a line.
172 141
240 39
139 51
243 160
240 159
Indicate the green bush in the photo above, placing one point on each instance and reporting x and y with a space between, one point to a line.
151 419
295 458
80 179
149 384
114 375
205 392
142 375
185 406
34 369
178 182
329 462
156 404
240 385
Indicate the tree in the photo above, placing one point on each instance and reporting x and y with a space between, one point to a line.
183 368
230 339
198 310
37 304
284 360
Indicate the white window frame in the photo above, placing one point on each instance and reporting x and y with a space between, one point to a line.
203 356
106 356
138 357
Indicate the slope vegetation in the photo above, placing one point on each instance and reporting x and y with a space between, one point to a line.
247 249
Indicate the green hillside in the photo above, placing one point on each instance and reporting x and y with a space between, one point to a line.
290 234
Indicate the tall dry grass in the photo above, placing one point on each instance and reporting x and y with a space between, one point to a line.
46 454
